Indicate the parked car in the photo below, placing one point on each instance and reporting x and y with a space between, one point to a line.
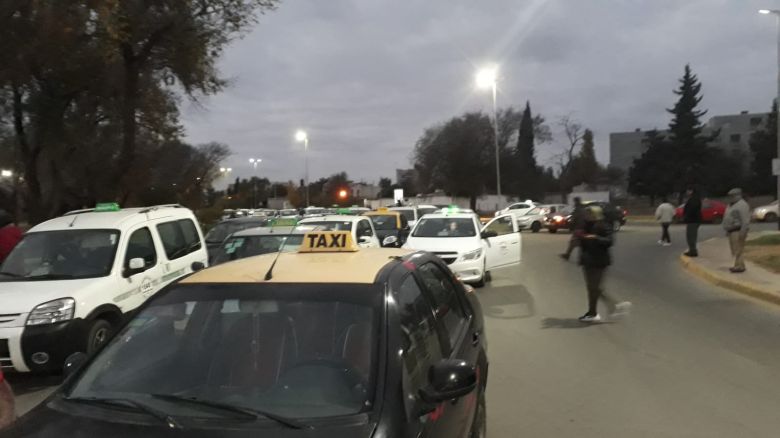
257 241
72 280
414 212
222 230
560 220
766 213
7 412
392 228
517 209
711 211
361 227
534 220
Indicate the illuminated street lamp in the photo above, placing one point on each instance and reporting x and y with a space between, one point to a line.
776 13
6 173
301 136
343 194
487 78
254 162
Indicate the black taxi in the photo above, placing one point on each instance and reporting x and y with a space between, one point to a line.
329 341
392 228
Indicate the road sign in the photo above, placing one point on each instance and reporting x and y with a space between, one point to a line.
776 166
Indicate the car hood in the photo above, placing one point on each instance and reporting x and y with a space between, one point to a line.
440 244
45 422
23 296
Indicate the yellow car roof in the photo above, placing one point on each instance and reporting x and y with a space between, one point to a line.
361 266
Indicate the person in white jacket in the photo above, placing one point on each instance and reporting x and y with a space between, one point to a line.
736 223
665 215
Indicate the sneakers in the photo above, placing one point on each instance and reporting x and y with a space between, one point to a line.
621 309
737 270
590 318
564 256
667 244
660 242
690 254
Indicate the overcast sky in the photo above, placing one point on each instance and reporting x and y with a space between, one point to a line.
365 77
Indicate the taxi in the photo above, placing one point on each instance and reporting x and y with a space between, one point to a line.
330 341
392 227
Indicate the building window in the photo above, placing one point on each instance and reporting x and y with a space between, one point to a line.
755 121
735 138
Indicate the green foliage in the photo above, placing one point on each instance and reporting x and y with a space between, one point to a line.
525 177
763 146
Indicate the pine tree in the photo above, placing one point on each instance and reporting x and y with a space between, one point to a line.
763 148
685 133
587 166
527 171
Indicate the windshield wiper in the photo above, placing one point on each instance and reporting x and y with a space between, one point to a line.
249 412
10 274
126 402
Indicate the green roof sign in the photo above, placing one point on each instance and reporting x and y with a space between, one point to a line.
106 206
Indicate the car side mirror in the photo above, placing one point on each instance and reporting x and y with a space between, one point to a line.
489 234
74 362
197 266
390 241
449 379
134 266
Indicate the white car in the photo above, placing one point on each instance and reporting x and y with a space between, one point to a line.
72 280
362 228
534 219
767 213
517 209
470 250
413 213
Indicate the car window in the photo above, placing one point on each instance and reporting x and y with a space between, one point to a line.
330 225
445 227
385 221
447 306
420 343
141 245
364 228
535 211
501 226
519 206
179 238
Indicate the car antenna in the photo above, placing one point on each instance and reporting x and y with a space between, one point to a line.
269 275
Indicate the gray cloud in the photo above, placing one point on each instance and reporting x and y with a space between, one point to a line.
366 77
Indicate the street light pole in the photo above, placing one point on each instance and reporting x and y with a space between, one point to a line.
488 78
776 13
302 136
254 162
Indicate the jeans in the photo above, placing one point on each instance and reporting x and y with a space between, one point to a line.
665 232
574 242
593 280
692 236
737 245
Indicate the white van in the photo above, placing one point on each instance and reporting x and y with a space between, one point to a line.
71 280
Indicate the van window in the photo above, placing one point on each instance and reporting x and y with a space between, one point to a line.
179 238
447 307
141 245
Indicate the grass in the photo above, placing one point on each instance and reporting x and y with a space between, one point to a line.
768 240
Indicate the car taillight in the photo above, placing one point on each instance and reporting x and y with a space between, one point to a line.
625 212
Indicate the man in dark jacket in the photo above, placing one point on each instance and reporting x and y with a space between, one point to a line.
577 222
595 239
692 219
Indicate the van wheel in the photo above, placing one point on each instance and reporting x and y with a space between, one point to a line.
535 227
770 217
98 334
479 428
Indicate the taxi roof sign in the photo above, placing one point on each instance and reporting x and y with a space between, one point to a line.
106 206
284 222
328 241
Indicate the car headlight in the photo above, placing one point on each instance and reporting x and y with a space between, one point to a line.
472 255
52 312
558 218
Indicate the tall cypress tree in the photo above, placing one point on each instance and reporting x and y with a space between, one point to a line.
587 166
685 133
527 171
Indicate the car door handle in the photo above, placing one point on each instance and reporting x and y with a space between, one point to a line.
475 339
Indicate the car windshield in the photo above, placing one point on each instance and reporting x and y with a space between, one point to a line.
65 254
226 228
422 211
294 350
445 227
385 221
330 225
408 213
239 247
535 211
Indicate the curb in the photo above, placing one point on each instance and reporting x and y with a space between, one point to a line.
728 283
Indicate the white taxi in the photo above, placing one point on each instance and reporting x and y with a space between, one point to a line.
361 227
72 280
470 250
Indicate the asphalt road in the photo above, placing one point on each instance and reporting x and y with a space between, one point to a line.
691 361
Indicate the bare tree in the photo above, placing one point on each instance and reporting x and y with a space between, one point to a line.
573 132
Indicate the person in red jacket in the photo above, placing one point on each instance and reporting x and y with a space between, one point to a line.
10 234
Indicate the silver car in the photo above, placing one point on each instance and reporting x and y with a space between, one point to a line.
766 213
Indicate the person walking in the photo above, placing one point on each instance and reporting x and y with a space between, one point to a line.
10 234
692 219
577 222
664 214
595 241
736 222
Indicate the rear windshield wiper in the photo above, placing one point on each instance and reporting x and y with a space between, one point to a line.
126 402
249 412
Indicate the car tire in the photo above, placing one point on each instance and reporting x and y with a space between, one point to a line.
480 282
770 217
535 227
479 428
99 332
553 230
616 226
717 220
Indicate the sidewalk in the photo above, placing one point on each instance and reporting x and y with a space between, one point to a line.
713 266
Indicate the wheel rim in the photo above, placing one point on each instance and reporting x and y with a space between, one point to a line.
99 338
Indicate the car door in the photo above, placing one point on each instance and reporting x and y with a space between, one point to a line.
504 248
182 246
139 286
460 340
365 235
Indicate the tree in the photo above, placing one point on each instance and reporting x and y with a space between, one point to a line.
385 188
651 174
573 131
585 169
526 171
763 148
